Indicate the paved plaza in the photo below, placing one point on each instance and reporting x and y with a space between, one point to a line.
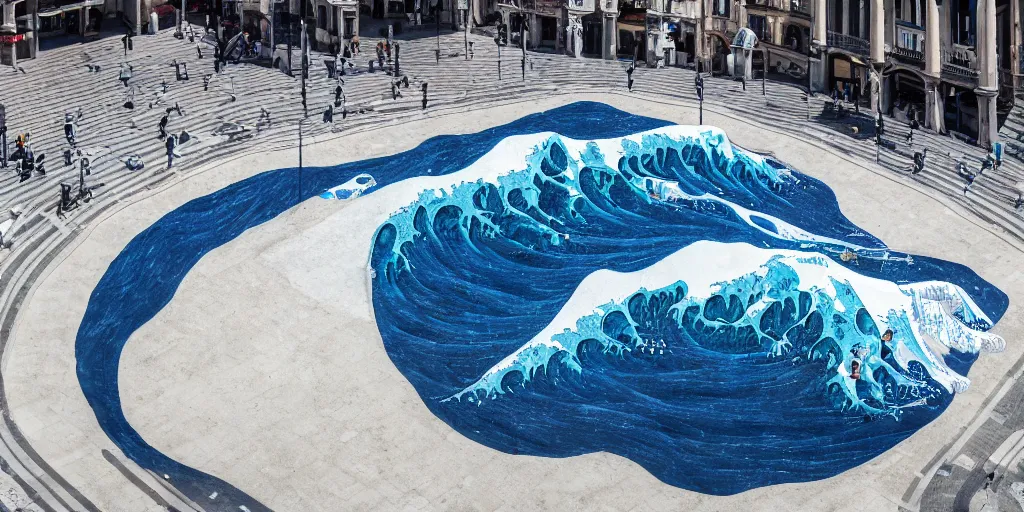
273 376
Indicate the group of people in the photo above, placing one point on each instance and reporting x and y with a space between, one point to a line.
992 161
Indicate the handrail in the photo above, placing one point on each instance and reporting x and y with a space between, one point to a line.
961 63
849 43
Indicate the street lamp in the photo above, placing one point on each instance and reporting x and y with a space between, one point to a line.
698 83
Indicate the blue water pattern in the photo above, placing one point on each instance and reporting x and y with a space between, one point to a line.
658 411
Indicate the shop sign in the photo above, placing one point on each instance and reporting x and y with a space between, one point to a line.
11 39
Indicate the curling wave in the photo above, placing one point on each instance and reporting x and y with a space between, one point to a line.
673 299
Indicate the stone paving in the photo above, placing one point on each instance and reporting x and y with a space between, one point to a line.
85 76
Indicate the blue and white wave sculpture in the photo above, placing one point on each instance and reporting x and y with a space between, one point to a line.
706 312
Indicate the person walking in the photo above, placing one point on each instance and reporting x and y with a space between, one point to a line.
71 126
919 161
328 115
169 144
163 124
397 72
217 57
424 95
125 74
380 55
395 92
629 75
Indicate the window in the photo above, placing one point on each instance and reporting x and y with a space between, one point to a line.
321 17
961 22
350 27
853 14
721 8
757 25
795 38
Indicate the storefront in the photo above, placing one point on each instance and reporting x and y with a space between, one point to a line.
593 35
79 18
682 36
848 75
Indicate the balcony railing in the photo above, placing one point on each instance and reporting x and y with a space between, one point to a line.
780 5
960 63
849 43
800 6
907 55
720 24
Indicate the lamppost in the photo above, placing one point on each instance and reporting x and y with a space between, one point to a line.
522 38
698 83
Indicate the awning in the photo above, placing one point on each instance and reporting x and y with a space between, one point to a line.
856 61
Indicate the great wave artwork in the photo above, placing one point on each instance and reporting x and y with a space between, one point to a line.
586 280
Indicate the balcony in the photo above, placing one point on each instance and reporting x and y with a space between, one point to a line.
722 25
849 43
908 56
580 5
779 5
960 63
800 7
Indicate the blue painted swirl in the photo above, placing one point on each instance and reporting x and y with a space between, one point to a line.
773 372
480 272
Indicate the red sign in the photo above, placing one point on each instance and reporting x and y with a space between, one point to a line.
12 39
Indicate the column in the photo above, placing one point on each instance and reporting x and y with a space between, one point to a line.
877 32
9 28
863 25
819 35
933 115
988 86
1015 41
609 34
844 12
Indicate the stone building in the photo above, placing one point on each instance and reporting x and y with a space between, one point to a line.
952 66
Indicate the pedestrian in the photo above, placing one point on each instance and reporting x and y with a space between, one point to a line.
328 115
395 92
997 151
71 126
218 55
1019 202
698 83
380 55
424 95
629 75
914 125
397 72
3 140
125 74
919 161
169 144
988 163
337 94
163 125
856 96
199 51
